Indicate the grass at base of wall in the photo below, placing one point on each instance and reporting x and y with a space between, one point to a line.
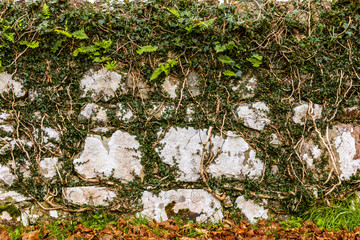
108 226
345 214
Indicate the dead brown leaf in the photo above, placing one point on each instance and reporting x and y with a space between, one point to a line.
169 225
4 235
33 235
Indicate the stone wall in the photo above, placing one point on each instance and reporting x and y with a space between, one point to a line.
154 155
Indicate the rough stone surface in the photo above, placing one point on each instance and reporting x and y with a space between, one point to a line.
137 86
275 140
50 133
170 85
53 214
117 156
251 210
190 113
101 116
184 146
5 216
253 115
245 87
7 128
101 84
301 113
94 112
193 83
99 130
90 195
123 113
237 159
345 138
4 116
48 167
195 204
6 176
88 111
309 152
11 197
7 83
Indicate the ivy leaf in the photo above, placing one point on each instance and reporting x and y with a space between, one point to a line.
147 48
33 44
206 24
225 59
229 73
230 45
80 34
172 62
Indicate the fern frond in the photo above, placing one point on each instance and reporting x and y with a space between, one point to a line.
226 59
175 12
105 44
80 34
9 36
206 24
147 48
85 49
33 44
63 32
56 45
46 10
156 73
111 65
102 59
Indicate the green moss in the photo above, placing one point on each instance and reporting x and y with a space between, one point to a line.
11 209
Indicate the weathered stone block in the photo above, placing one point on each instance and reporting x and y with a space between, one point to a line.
117 156
301 113
191 204
90 195
184 147
236 159
7 84
102 84
254 115
251 210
